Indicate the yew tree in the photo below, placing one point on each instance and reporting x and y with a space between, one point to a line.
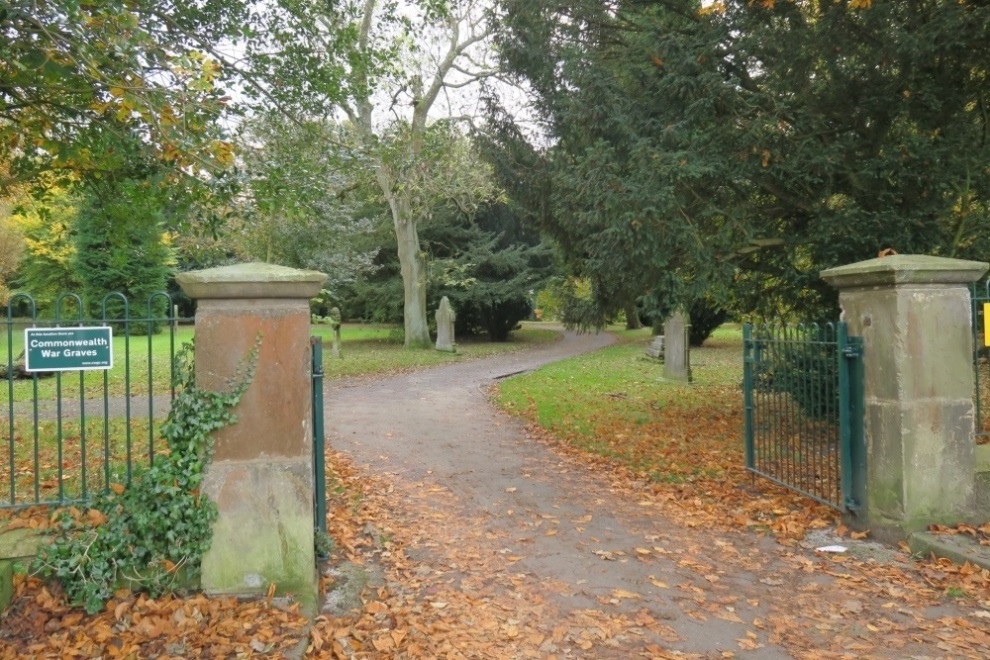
738 148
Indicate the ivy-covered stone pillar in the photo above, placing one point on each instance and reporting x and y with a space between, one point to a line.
261 476
915 316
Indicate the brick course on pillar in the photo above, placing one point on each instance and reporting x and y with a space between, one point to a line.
915 317
261 476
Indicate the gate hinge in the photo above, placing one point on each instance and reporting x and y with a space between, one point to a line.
852 351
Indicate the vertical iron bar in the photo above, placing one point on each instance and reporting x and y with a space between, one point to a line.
151 393
821 351
106 428
82 428
319 477
10 399
748 365
855 495
831 463
793 411
58 436
128 435
845 430
106 412
771 345
823 460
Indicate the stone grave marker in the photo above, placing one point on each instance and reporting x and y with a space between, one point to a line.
445 326
335 320
655 349
677 352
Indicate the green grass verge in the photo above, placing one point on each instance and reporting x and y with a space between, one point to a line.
615 403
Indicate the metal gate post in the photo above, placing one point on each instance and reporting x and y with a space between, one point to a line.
319 467
748 361
852 451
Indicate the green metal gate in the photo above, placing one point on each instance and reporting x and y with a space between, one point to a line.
319 445
71 434
803 398
981 363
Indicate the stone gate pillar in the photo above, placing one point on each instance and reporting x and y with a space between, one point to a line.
915 317
261 476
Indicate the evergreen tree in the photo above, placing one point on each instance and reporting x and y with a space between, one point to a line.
121 247
490 270
748 145
487 264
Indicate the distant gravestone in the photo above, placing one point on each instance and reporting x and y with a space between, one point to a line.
335 320
677 352
655 349
445 326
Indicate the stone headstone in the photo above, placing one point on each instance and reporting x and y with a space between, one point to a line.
677 352
445 326
655 349
335 320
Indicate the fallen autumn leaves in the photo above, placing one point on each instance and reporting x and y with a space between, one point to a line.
444 592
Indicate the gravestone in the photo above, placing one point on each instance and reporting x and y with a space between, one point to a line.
655 349
676 349
445 326
335 320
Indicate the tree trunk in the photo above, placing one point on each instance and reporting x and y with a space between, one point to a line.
632 316
413 285
413 267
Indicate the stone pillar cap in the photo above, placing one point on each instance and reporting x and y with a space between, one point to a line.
251 280
905 269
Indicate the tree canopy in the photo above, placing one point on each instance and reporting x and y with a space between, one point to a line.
741 147
80 82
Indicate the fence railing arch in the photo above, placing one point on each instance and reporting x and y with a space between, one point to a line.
71 434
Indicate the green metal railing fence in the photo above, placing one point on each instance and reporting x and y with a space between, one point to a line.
71 434
319 456
803 398
981 363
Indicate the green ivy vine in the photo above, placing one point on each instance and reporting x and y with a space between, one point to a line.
151 535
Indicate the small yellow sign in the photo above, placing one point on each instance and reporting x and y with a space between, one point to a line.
986 324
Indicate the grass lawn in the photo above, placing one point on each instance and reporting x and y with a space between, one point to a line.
376 349
683 439
132 373
366 349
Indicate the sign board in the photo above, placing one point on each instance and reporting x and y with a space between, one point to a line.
68 349
986 324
